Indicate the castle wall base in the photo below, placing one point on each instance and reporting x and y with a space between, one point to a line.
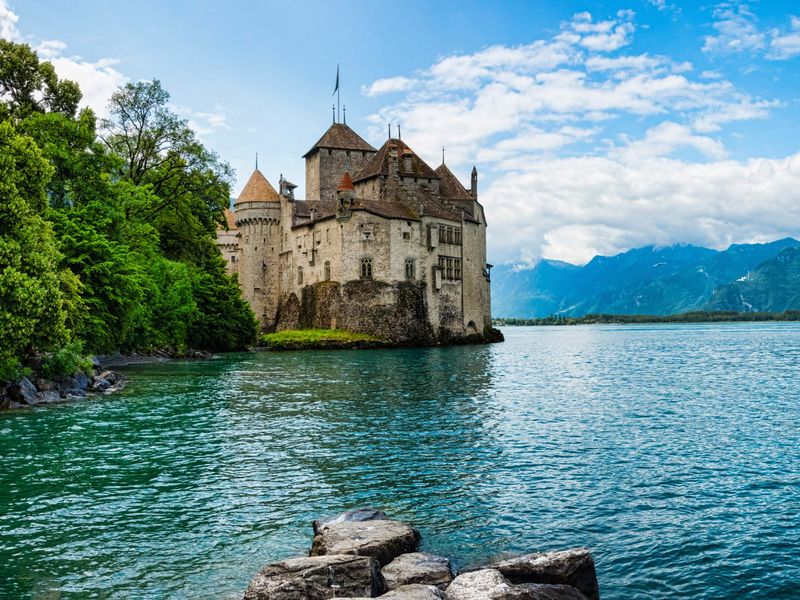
395 312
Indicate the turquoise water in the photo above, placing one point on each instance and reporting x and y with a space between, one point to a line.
671 451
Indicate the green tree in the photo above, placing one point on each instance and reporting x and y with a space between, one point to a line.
33 307
30 86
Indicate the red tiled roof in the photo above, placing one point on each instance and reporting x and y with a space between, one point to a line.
258 189
378 164
450 187
340 137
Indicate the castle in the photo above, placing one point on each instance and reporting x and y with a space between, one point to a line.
382 244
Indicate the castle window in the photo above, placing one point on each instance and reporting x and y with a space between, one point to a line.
457 236
406 235
233 259
442 234
327 270
300 275
410 268
450 268
366 268
328 234
366 235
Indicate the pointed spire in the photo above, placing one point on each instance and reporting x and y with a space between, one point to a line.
390 131
442 154
399 133
256 161
344 114
333 108
346 183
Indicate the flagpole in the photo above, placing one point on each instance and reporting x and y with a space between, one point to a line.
338 91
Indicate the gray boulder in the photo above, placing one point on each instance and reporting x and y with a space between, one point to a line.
100 385
317 578
573 567
489 584
73 386
110 376
418 568
382 539
23 392
50 396
415 591
359 514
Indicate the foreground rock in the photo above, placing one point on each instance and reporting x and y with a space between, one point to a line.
418 568
363 554
359 514
382 539
489 584
573 567
317 578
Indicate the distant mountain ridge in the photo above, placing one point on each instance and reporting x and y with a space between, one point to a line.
648 280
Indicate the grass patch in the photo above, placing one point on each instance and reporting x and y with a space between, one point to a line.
306 339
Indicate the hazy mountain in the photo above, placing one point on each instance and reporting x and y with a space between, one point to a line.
645 280
773 287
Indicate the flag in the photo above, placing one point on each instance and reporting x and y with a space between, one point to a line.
336 89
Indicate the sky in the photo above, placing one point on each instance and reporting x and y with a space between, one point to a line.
596 126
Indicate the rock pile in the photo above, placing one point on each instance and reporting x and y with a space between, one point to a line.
364 554
24 393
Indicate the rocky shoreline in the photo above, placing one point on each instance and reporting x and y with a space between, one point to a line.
364 554
38 391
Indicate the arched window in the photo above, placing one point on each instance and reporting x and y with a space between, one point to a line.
410 268
327 270
300 275
366 268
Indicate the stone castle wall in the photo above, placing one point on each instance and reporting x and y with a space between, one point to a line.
324 169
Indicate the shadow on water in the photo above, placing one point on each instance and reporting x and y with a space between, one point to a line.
669 450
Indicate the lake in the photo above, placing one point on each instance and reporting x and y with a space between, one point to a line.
672 451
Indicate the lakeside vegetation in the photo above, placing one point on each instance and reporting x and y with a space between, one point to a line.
306 339
687 317
107 227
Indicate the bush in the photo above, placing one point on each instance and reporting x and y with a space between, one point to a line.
66 361
12 370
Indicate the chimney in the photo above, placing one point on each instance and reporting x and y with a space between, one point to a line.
474 184
408 162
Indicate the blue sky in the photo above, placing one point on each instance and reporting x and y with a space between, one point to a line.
595 126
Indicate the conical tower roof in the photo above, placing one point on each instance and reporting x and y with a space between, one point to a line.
258 189
346 183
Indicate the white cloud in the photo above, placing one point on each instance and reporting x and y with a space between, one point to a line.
602 36
785 45
592 150
736 30
97 80
203 123
388 85
8 23
574 208
664 139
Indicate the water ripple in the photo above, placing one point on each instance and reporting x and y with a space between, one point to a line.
671 451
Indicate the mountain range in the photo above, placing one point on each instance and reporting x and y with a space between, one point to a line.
654 281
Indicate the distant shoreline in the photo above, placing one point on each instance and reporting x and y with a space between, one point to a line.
688 317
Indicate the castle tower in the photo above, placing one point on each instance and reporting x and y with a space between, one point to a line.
340 149
258 217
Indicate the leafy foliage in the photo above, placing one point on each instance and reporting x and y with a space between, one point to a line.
107 242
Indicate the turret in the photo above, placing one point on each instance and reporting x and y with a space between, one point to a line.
473 188
258 217
345 197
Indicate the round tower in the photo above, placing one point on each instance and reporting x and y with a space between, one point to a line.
258 218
